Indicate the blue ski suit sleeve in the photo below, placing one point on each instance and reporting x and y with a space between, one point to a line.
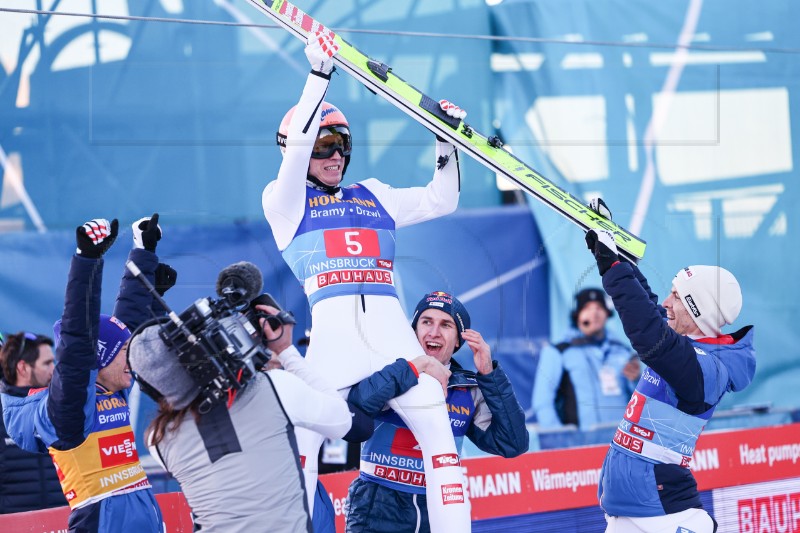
506 434
670 354
371 394
71 400
135 304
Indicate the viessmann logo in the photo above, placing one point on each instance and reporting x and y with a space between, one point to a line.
447 459
117 450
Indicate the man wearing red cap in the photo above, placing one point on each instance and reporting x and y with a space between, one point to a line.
646 484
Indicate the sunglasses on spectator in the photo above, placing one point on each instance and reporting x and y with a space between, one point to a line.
26 337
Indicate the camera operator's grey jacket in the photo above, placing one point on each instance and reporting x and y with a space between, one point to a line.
238 467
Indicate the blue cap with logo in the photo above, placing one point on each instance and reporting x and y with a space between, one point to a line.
113 334
449 304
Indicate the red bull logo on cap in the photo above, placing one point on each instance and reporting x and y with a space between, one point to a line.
439 296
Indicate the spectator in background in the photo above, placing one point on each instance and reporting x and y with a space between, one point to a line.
587 378
482 407
28 481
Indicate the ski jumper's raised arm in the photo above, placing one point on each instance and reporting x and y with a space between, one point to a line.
283 199
413 205
134 305
71 403
661 348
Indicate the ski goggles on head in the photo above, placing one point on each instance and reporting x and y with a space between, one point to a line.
25 338
330 140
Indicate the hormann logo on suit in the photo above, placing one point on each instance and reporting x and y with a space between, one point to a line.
111 412
327 199
108 404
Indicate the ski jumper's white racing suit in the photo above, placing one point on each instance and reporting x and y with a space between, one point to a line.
341 248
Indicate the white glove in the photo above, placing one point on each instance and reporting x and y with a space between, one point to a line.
146 233
599 206
607 238
452 109
320 50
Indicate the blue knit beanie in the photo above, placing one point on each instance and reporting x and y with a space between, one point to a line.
112 336
449 304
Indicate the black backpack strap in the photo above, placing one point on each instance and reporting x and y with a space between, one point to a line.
565 403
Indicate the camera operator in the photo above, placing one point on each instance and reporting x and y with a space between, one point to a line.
237 463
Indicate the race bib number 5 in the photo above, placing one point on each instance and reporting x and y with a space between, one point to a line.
355 242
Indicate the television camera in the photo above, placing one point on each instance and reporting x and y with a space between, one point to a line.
219 341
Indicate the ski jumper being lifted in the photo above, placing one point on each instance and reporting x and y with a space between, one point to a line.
339 242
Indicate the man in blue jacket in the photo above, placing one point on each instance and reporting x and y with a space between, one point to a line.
83 419
28 481
645 483
587 378
389 494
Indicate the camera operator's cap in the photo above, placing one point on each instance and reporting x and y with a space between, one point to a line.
712 296
449 304
111 337
151 361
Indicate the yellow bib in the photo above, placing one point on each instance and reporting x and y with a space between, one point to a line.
105 464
